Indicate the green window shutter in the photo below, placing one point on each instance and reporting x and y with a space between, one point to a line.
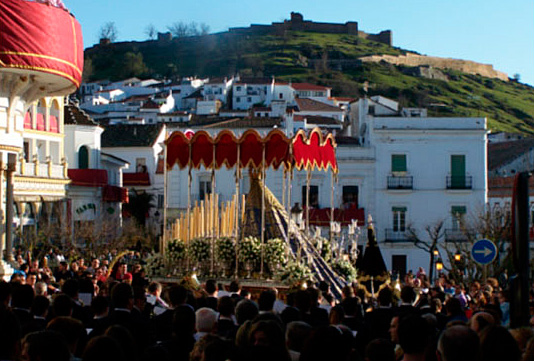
398 163
83 157
458 171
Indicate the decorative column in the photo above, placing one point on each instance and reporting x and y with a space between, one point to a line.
11 162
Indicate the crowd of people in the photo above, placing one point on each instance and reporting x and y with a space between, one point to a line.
79 311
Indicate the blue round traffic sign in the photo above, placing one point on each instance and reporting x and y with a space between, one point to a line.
484 251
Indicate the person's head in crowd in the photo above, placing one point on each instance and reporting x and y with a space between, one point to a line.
347 292
480 321
394 329
522 335
337 314
245 310
206 320
453 307
122 296
40 306
41 289
352 307
62 305
496 343
380 350
198 351
45 346
326 343
385 297
31 279
211 288
234 286
414 335
458 343
103 348
183 321
100 306
74 267
315 296
407 295
435 305
303 301
245 294
5 293
10 334
22 296
177 295
71 288
71 329
324 287
494 310
268 341
266 301
95 264
218 349
17 278
297 332
226 306
125 340
127 278
139 297
155 288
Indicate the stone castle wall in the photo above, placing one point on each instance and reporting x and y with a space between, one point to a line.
466 66
297 23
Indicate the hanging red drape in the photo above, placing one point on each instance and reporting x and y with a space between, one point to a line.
313 151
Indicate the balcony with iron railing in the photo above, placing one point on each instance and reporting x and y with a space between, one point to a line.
459 182
397 236
400 182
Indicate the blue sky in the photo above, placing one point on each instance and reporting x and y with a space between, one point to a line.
494 32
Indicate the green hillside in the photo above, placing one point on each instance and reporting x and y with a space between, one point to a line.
326 59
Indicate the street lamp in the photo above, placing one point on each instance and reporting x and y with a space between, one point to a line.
457 257
436 252
439 264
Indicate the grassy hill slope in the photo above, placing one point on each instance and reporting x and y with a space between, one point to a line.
326 59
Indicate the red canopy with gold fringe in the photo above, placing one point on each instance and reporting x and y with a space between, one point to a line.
40 37
303 151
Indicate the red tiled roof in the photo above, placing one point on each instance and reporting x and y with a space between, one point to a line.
308 86
150 104
88 177
135 179
502 153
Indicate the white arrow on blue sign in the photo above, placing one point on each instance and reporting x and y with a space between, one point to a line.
484 251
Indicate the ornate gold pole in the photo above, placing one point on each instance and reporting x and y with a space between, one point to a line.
263 166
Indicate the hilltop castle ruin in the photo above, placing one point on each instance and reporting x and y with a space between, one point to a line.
297 23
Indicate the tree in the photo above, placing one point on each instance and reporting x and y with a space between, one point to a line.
139 205
109 31
517 77
204 29
151 32
133 65
179 29
435 232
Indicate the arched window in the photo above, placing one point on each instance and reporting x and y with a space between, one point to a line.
83 157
